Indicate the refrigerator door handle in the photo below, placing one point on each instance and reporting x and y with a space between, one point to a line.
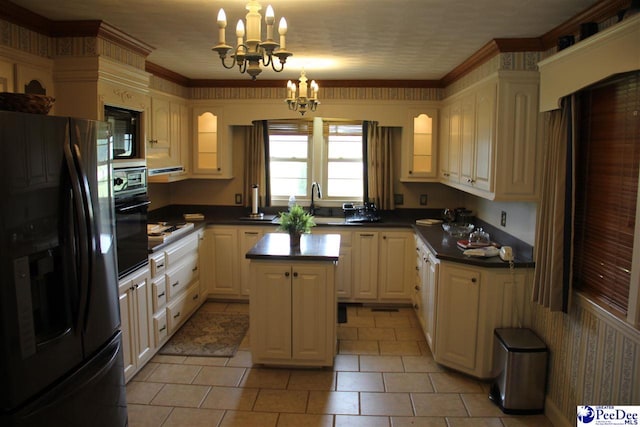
84 241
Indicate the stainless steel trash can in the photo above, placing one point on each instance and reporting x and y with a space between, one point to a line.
520 361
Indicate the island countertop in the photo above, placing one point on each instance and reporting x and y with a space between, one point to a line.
313 247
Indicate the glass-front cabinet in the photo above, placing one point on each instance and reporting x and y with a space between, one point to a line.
419 153
211 154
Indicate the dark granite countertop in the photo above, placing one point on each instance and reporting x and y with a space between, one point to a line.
313 247
439 242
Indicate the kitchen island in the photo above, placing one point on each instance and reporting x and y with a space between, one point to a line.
293 300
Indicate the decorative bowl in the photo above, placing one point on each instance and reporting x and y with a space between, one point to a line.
458 229
26 103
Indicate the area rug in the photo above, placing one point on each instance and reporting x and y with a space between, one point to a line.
208 333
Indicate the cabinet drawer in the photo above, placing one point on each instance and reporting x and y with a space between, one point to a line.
180 277
183 247
160 327
157 263
159 288
180 309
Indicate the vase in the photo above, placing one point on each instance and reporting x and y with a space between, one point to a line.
294 240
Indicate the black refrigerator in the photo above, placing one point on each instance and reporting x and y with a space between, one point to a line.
61 358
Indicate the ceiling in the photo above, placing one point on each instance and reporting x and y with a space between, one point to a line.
331 39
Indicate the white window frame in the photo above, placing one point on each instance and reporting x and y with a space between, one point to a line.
317 166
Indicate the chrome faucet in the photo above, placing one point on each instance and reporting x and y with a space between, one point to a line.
312 207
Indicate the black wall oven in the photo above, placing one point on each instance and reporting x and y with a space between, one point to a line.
131 204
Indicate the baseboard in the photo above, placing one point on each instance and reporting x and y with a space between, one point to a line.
554 415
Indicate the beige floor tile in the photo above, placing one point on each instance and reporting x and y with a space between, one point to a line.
305 420
145 372
184 395
400 348
346 362
361 421
193 417
142 392
377 334
451 382
360 381
162 358
358 347
410 334
347 333
474 422
385 404
360 322
147 416
290 401
381 364
333 402
206 361
233 398
407 382
176 374
266 378
418 422
249 419
479 405
312 380
242 358
219 375
424 348
393 322
438 405
421 364
526 421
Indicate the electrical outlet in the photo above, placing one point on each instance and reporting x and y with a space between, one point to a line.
398 199
238 199
423 200
503 219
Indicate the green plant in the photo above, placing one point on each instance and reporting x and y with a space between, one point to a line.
296 221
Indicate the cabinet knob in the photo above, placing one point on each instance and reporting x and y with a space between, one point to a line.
416 306
295 274
417 288
286 274
474 280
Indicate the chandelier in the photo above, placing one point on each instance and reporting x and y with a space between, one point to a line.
250 53
307 99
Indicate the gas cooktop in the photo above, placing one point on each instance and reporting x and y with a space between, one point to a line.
162 232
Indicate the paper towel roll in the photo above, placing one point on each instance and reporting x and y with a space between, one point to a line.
254 199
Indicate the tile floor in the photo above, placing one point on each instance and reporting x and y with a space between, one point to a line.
384 375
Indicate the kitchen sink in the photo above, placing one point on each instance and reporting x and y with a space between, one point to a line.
329 220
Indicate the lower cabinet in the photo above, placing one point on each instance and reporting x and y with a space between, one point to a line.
470 303
135 315
365 265
293 313
396 265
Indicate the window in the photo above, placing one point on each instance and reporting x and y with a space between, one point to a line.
607 168
328 152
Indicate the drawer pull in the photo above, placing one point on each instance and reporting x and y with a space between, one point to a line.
367 235
195 297
159 266
195 268
253 233
164 327
176 315
161 295
175 284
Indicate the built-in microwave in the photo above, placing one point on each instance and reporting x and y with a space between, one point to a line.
125 126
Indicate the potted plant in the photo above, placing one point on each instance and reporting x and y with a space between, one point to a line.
295 222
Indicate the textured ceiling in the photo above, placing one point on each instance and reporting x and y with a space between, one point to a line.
331 39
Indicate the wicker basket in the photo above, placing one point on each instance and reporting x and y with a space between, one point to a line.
26 103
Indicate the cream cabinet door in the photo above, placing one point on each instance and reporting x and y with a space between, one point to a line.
270 310
127 322
365 265
224 245
396 265
457 317
248 236
485 134
430 286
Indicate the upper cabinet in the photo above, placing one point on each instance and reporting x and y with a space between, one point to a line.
419 146
488 145
211 148
167 142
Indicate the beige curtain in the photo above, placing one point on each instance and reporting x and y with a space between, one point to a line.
380 165
254 161
554 231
